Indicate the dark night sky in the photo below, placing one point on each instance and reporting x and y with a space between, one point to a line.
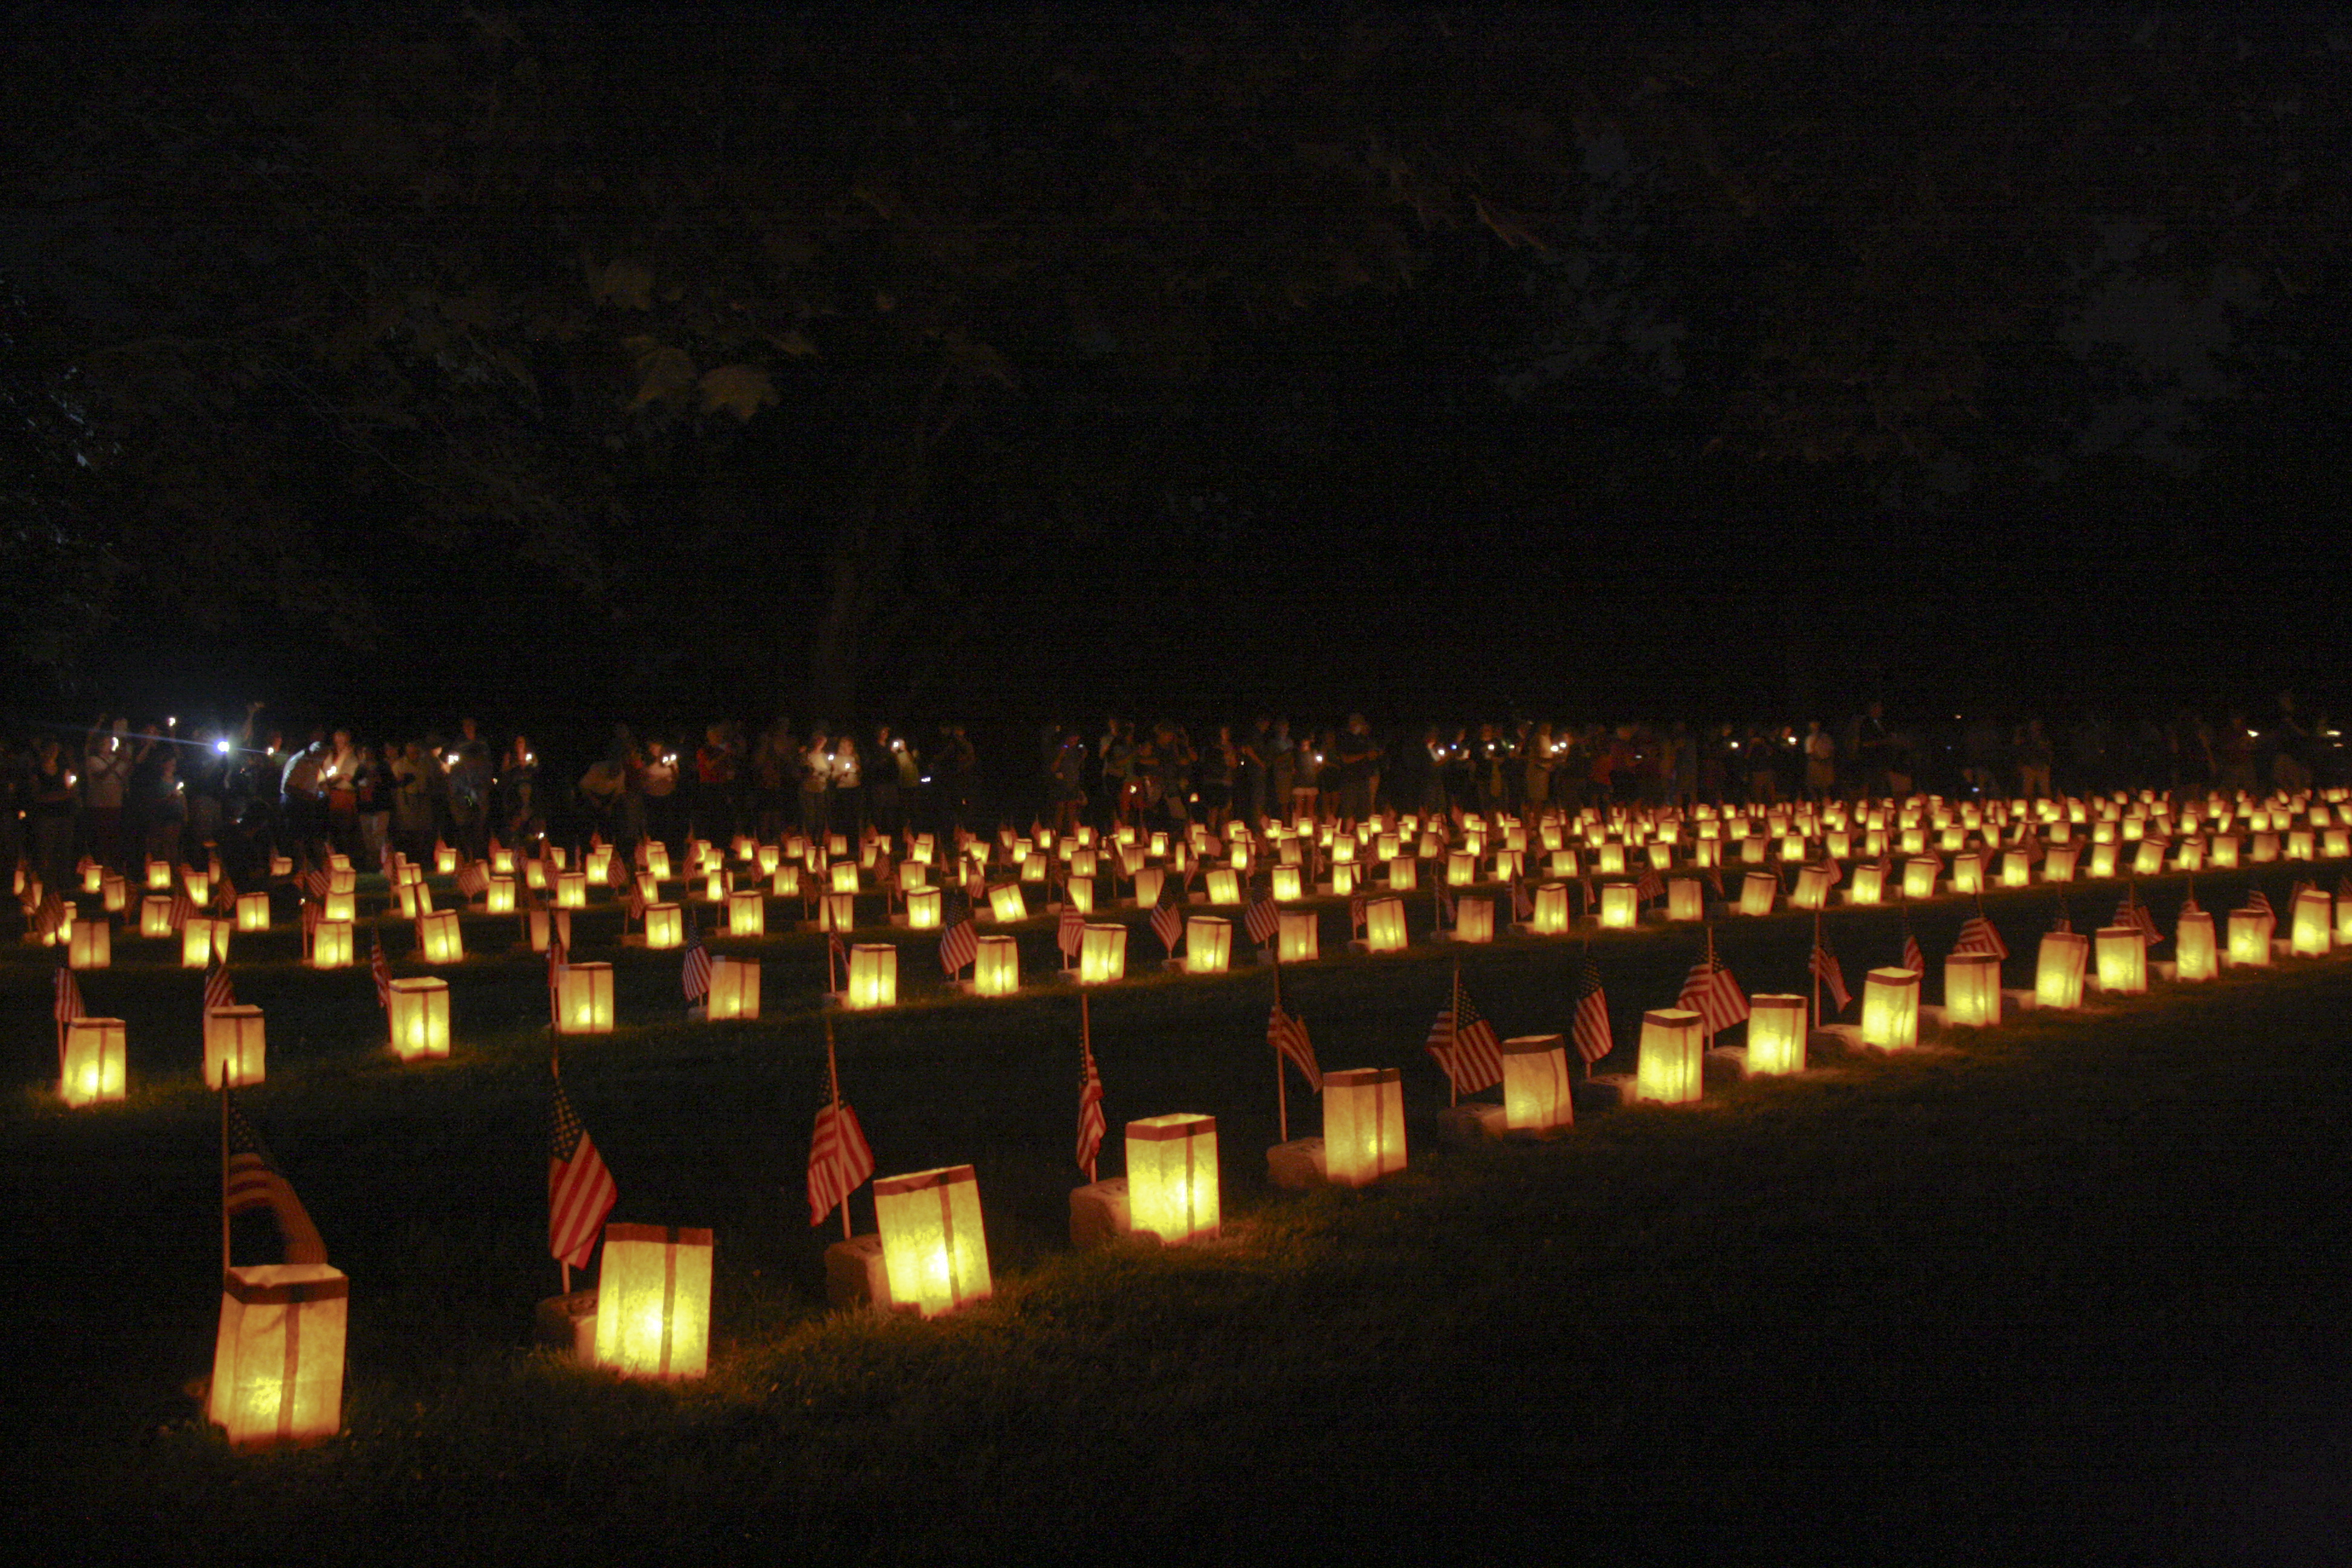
560 364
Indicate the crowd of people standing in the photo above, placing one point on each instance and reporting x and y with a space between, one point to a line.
119 795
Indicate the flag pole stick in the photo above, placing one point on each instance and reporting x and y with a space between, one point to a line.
833 1088
223 1169
1816 967
555 1072
1281 1088
1086 1049
1453 1037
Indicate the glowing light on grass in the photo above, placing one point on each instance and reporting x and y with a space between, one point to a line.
583 999
1363 1125
1972 990
2123 959
1102 955
2058 969
235 1044
934 1249
1535 1097
92 1070
278 1358
90 945
1172 1177
1776 1034
2249 938
1890 1009
1667 1071
420 1018
653 1302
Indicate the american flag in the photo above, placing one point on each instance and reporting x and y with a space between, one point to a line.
225 895
579 1190
1650 886
52 916
2343 888
839 1159
959 946
2133 913
250 1179
1831 869
1913 959
2259 901
313 912
1464 1044
1261 920
1594 1040
68 1004
315 882
1830 973
634 904
1522 907
1445 898
1977 935
184 909
381 972
696 975
1287 1034
1357 906
1710 991
1714 880
1090 1116
1070 936
2064 921
1167 925
219 992
473 877
836 957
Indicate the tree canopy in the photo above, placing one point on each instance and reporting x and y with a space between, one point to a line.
893 357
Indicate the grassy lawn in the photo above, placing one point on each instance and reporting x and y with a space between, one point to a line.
2072 1283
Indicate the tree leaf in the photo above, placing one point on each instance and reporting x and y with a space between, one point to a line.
623 282
665 374
740 389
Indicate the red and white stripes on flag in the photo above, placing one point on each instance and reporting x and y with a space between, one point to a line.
473 879
580 1190
381 972
839 1160
184 908
1832 870
1977 935
1594 1040
1523 907
2133 913
1650 886
1287 1035
250 1180
1359 908
219 992
959 946
316 882
694 974
1826 969
2258 899
1261 920
1167 926
225 895
1913 959
1710 991
1090 1116
67 1006
1465 1045
1070 935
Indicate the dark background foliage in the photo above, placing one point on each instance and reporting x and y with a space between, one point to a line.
553 363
